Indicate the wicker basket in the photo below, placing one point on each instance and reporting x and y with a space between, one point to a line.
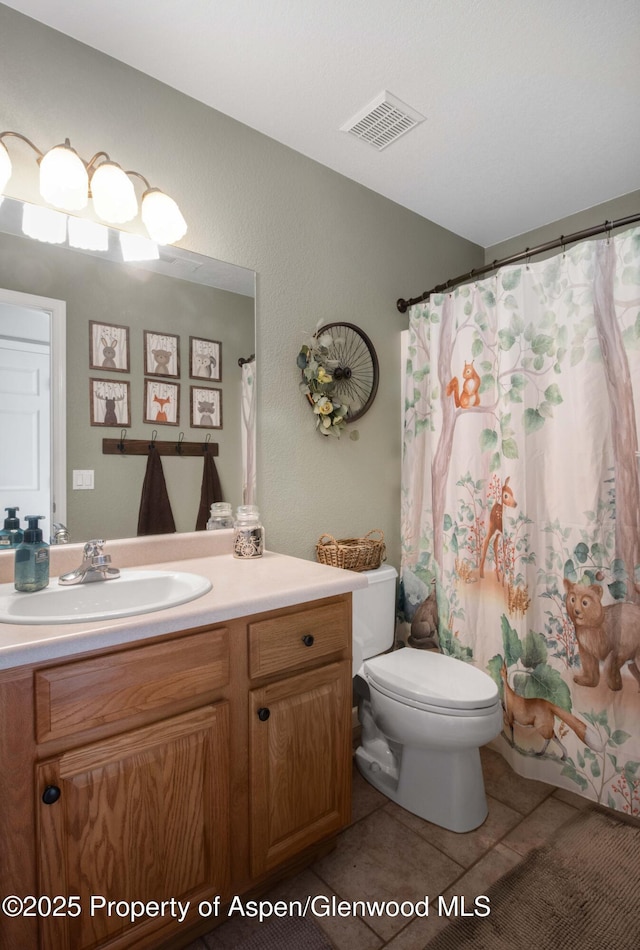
352 554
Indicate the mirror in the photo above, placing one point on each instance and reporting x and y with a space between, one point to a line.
168 305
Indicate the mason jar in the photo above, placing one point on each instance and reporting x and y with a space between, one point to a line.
221 516
248 533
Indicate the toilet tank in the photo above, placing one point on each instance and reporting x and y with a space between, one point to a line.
374 614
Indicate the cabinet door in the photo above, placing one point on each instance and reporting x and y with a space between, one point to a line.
142 816
300 763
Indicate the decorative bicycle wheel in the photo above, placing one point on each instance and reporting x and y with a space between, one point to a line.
354 367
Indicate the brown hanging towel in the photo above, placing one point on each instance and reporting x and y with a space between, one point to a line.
211 491
155 515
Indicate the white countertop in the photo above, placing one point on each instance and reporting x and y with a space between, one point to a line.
240 588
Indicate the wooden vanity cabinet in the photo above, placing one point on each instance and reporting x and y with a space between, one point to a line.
141 816
142 813
299 732
159 775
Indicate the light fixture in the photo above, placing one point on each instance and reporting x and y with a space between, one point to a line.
88 235
5 167
136 247
67 181
44 224
114 198
64 182
162 217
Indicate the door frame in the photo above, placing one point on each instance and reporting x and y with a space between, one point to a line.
57 311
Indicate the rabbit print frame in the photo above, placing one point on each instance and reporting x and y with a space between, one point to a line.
108 347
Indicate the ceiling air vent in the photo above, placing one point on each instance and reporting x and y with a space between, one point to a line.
383 121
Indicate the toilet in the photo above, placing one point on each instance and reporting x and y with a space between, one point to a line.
424 716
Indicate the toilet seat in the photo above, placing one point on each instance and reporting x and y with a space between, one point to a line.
432 681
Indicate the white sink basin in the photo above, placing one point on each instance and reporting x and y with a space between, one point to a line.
134 592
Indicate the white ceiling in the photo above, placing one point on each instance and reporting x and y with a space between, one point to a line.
532 106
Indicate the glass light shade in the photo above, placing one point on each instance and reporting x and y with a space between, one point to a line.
44 224
63 179
88 235
135 247
5 167
114 198
161 217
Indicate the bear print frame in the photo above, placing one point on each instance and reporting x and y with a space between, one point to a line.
108 347
206 408
161 403
161 354
205 359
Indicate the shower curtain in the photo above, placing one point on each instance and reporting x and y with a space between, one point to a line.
248 430
521 505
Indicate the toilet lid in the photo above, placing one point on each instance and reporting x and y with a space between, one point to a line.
433 678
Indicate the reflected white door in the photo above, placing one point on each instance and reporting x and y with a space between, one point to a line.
25 425
33 443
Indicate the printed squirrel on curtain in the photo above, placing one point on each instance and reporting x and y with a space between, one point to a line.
521 500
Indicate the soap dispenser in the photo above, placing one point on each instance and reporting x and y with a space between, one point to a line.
32 558
12 534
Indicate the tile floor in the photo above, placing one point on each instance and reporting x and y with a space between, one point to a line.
388 854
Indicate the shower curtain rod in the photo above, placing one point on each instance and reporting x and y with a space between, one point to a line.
562 241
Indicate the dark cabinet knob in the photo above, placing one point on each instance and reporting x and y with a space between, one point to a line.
51 794
263 713
308 640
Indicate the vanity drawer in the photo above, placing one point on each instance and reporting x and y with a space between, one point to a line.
297 639
78 696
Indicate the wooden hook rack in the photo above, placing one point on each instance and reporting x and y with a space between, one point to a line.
143 446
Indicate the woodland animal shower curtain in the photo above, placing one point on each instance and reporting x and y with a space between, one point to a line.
521 505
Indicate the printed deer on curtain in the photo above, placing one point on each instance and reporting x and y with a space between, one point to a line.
521 503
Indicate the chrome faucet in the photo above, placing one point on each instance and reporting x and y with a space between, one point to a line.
60 533
94 567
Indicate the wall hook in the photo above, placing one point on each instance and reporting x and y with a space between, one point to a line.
123 436
154 435
179 443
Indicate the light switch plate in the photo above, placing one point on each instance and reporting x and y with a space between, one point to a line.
82 479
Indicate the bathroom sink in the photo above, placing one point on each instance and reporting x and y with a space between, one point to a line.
134 592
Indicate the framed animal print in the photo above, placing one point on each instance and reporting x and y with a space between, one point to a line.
206 408
110 403
161 402
161 354
108 347
205 359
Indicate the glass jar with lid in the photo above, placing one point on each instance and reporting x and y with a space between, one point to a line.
221 516
248 533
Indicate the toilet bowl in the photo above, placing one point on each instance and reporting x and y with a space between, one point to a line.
424 716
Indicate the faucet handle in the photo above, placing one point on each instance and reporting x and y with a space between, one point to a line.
93 549
93 554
